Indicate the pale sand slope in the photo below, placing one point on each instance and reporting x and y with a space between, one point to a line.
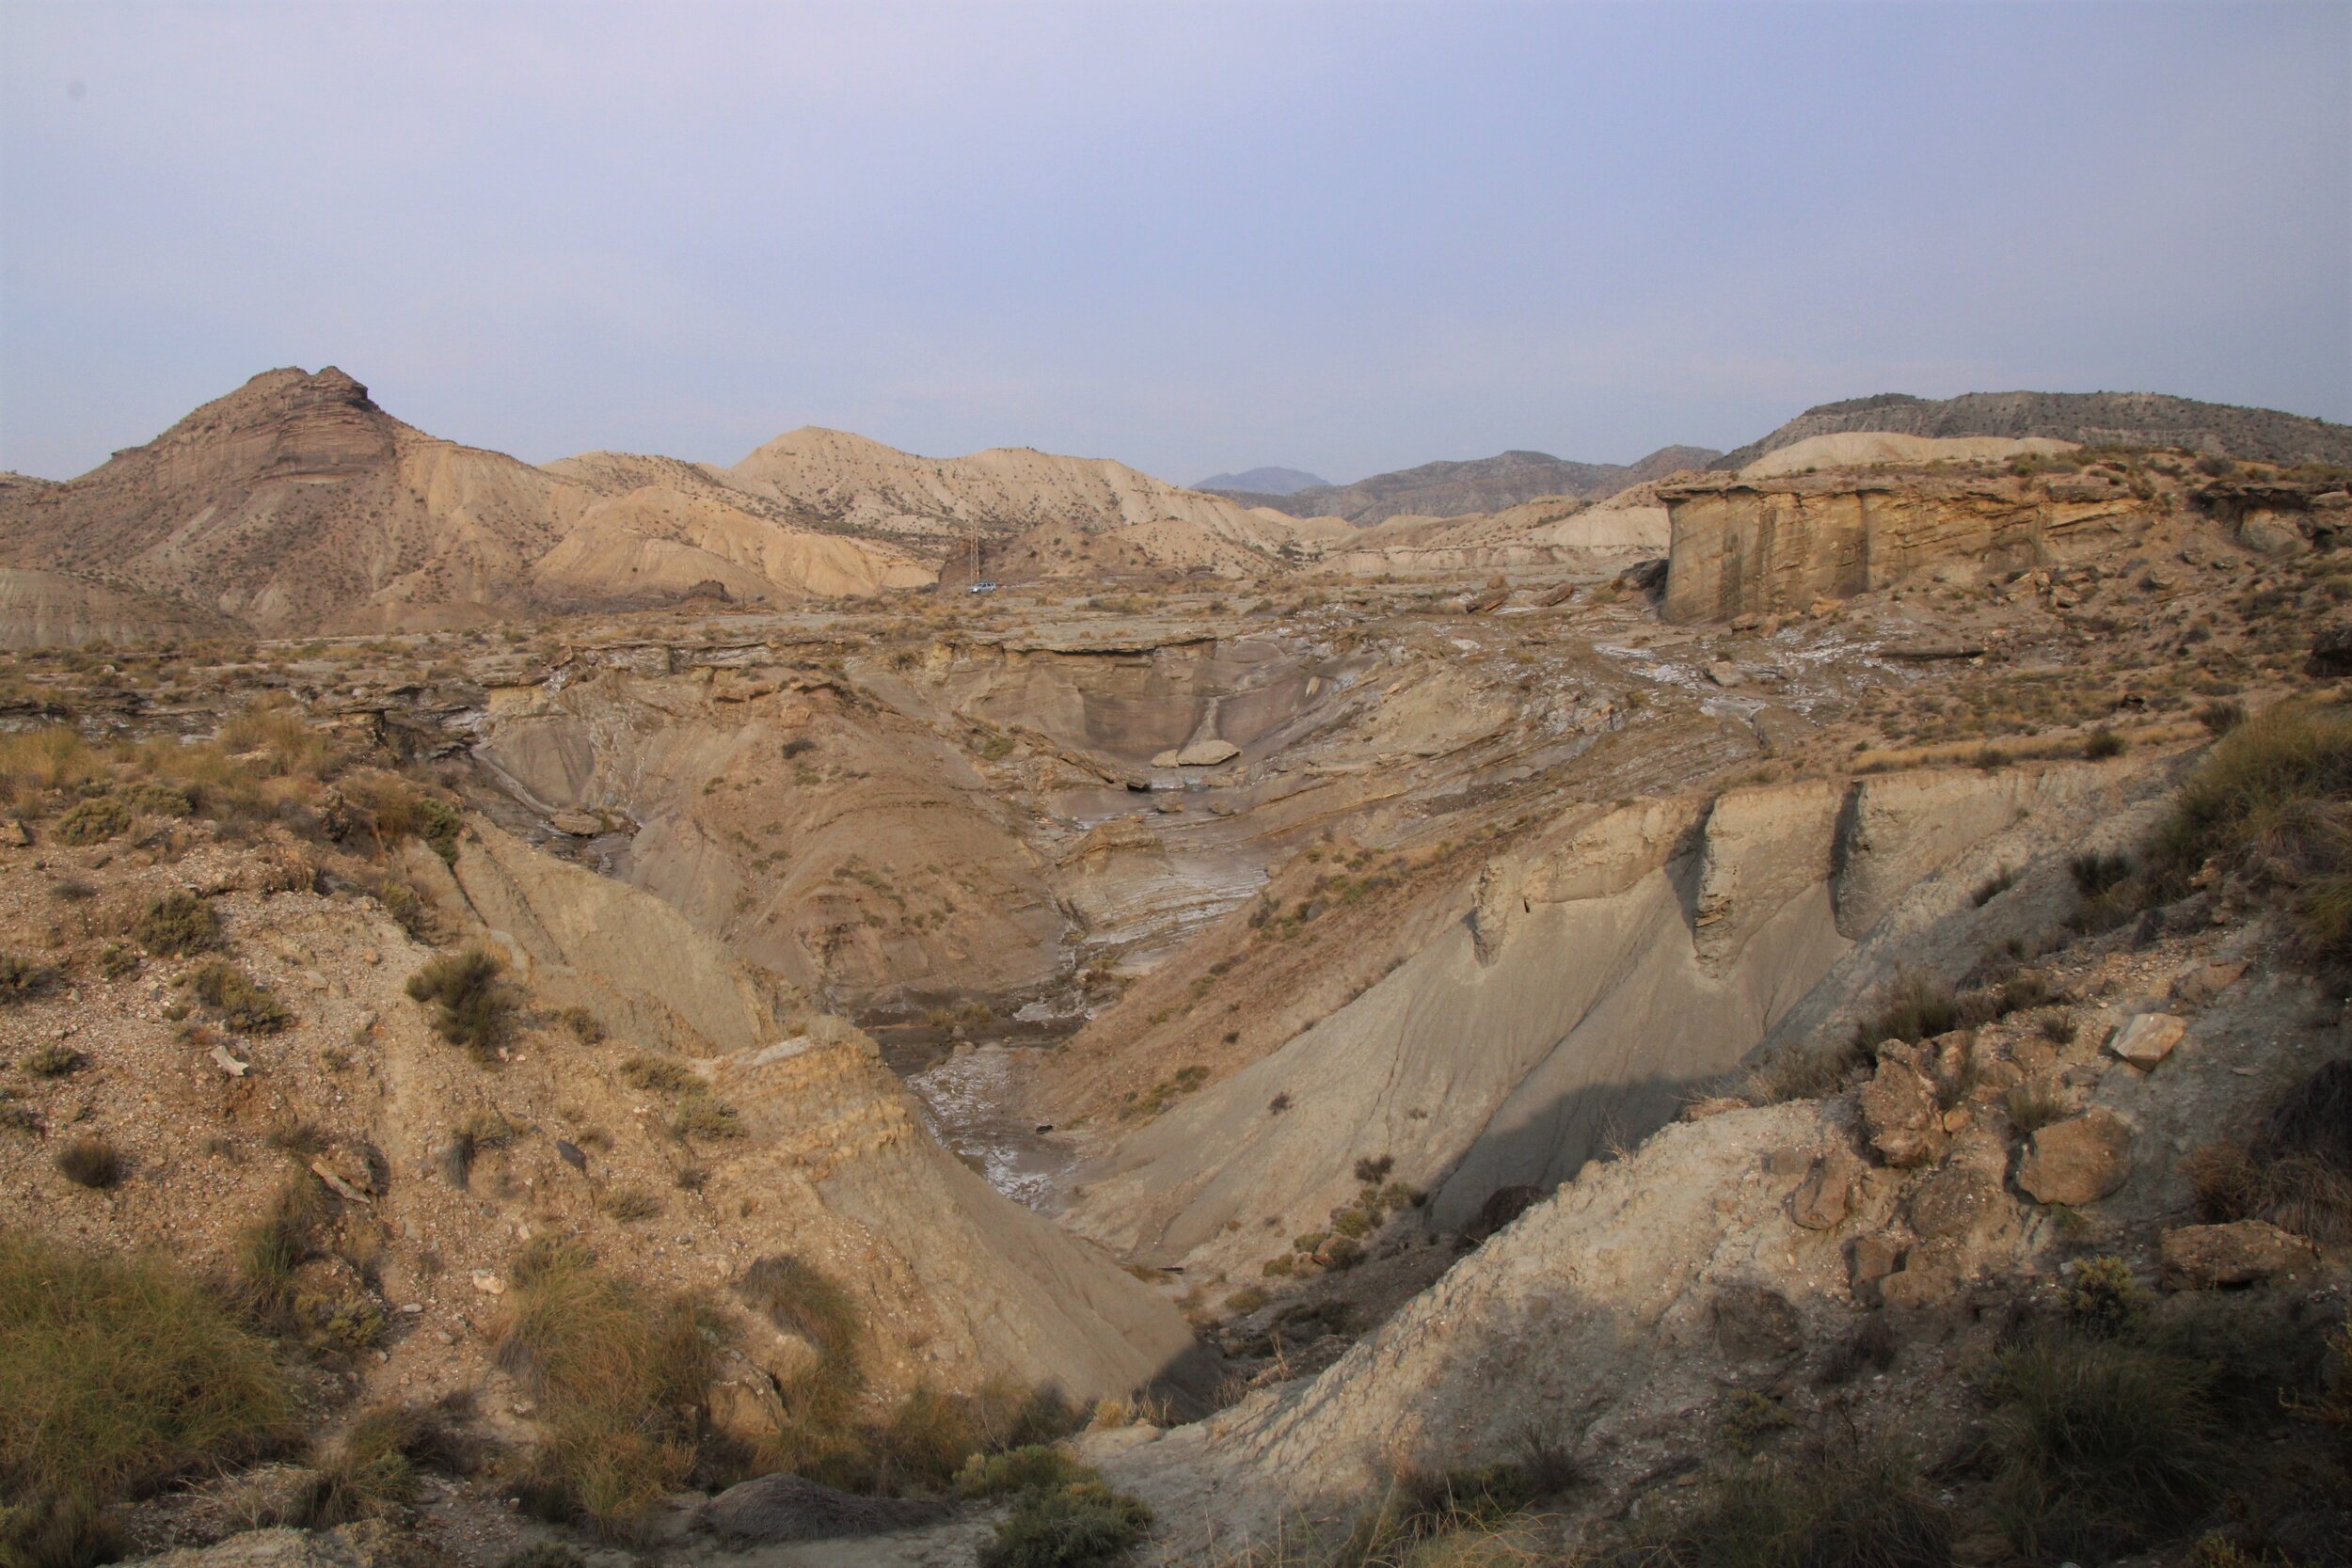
1554 530
1861 448
864 485
955 1281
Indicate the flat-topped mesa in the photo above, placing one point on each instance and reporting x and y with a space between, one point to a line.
1777 545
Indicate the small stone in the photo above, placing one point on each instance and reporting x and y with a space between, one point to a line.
411 1308
489 1283
1726 675
12 833
1825 1198
2078 1160
1875 1257
1207 753
1753 1323
2197 1257
228 1064
2147 1039
370 956
2206 981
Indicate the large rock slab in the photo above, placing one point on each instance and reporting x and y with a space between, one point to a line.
2077 1160
2146 1038
2197 1257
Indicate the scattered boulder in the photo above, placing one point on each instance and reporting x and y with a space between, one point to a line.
2271 534
2331 652
2147 1039
2080 1159
2206 981
785 1507
1726 674
1825 1196
1873 1258
1754 1324
1206 754
2199 1256
1899 1110
1957 1200
578 823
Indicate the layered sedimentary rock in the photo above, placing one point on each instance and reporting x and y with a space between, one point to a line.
1775 545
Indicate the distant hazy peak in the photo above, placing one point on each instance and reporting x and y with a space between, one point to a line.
1264 482
1457 488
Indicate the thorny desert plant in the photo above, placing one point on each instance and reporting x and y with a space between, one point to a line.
92 1162
21 979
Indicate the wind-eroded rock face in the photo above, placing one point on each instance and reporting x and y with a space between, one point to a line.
1776 545
1598 976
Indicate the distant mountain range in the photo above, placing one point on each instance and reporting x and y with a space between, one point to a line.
2099 418
1479 484
1264 482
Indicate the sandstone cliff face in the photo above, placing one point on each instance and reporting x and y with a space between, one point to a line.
1775 545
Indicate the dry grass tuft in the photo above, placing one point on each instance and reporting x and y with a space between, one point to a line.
622 1377
116 1375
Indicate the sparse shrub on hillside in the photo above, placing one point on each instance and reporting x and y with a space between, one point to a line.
242 1002
582 1025
92 1162
621 1377
471 1009
665 1074
2035 1104
273 738
2296 1172
373 1470
117 960
1033 1467
1920 1009
2103 1298
178 923
280 1240
93 821
2103 1444
629 1203
21 979
158 798
2272 803
54 1060
1839 1510
705 1116
1080 1524
35 761
2104 744
116 1375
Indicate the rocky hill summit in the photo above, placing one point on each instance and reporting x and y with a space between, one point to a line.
2093 418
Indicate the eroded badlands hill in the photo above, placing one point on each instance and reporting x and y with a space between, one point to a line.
1578 1031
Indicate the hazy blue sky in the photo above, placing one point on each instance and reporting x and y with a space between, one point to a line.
1345 237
